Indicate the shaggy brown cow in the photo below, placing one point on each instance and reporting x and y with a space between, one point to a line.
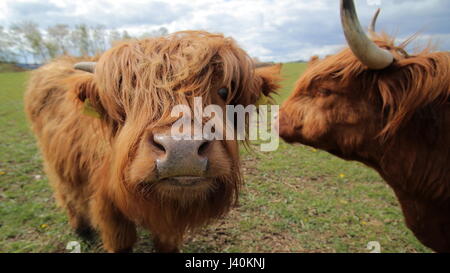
123 168
376 104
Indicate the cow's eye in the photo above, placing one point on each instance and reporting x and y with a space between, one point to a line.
323 92
223 93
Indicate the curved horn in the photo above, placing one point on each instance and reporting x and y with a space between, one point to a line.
364 49
85 66
374 21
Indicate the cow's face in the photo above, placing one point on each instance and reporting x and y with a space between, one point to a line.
328 113
185 164
138 86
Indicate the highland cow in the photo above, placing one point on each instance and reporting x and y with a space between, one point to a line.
104 133
377 104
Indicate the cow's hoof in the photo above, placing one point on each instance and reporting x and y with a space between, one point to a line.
86 233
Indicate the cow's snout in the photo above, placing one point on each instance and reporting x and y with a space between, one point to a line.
181 156
286 130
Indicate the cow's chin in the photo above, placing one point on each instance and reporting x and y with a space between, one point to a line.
180 189
318 142
185 186
185 182
293 135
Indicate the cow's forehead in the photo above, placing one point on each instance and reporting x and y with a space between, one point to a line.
174 63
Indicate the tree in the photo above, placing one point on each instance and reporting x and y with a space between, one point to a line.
162 31
114 36
6 43
125 35
52 49
25 39
20 44
81 40
98 39
58 36
29 33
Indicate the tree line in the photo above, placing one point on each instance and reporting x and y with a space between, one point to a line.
26 42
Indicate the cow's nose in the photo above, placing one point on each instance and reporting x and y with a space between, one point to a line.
286 130
183 156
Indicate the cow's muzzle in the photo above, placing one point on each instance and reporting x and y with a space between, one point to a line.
181 157
286 130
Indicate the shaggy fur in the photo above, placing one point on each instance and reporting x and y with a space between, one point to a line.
103 169
396 121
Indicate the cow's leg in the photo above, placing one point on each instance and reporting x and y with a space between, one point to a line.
430 223
167 243
79 222
117 232
73 197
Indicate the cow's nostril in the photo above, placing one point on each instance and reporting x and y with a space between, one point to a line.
158 144
203 147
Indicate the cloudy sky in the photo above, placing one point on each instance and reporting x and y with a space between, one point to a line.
273 30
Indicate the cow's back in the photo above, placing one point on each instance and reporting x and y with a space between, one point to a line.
70 142
46 90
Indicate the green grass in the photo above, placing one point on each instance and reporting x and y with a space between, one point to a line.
296 199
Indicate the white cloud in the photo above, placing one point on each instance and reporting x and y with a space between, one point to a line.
278 30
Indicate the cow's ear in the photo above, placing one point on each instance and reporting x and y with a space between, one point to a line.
269 79
313 60
85 89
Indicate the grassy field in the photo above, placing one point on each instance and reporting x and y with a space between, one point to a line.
296 199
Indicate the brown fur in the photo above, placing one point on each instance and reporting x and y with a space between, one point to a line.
103 169
394 120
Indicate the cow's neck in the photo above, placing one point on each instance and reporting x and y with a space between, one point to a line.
417 167
419 174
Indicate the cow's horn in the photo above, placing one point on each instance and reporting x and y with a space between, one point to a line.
374 21
364 49
85 66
